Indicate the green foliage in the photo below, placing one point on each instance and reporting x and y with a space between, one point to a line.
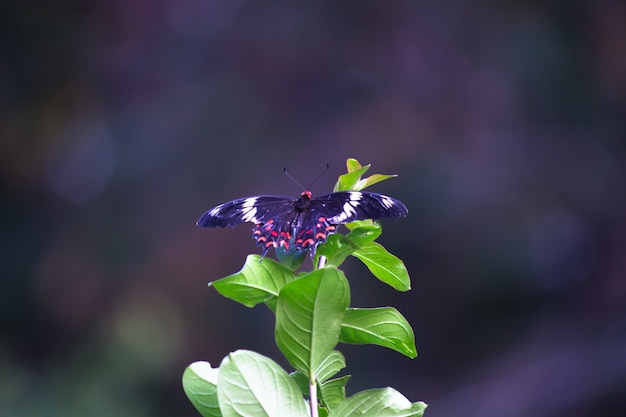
313 315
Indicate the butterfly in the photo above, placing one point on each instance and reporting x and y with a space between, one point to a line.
301 223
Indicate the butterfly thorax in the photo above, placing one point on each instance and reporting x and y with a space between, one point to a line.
304 201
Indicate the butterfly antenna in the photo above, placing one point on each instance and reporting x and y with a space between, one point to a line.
319 176
314 181
293 179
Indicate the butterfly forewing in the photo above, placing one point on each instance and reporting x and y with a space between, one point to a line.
257 209
347 206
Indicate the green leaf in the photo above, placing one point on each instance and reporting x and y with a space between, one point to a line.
357 223
309 312
256 282
353 181
371 180
332 364
364 232
383 326
347 181
252 385
336 249
385 266
333 391
200 385
352 164
381 402
301 380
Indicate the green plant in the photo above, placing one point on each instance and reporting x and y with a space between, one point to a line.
313 315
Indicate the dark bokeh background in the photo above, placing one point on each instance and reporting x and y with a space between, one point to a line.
122 121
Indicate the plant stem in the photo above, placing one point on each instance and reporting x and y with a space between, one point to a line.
313 398
321 262
312 384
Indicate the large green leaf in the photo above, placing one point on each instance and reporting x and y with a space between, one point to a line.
252 385
309 312
385 266
383 326
257 281
200 385
381 402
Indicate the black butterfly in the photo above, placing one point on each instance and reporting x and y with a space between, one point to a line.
304 222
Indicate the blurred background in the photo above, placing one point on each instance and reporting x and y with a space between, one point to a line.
122 122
